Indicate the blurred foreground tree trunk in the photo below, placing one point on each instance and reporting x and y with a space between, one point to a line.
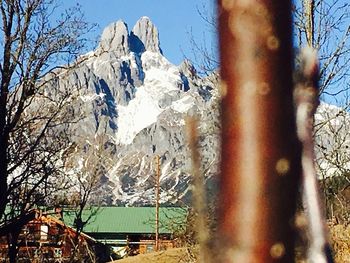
260 168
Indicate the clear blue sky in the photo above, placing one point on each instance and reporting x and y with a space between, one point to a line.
173 18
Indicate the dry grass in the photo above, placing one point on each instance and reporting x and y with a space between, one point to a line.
340 240
339 236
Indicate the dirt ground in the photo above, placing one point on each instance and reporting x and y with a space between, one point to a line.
176 255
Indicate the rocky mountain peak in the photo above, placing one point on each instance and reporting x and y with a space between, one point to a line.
134 102
115 37
144 36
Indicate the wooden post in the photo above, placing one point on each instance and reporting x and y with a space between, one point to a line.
260 166
157 200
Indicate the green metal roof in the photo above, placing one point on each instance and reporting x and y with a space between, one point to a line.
130 219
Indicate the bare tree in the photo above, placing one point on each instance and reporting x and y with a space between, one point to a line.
332 159
205 51
95 164
34 110
325 26
78 199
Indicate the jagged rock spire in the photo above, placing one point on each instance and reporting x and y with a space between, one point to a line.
115 37
144 36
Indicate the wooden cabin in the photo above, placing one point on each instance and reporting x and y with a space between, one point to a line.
44 237
50 236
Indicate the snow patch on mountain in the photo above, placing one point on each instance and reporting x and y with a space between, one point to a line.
141 112
161 79
183 105
92 97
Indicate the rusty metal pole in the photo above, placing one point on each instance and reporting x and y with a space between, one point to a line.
260 165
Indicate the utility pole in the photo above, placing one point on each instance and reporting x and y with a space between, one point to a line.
261 154
157 199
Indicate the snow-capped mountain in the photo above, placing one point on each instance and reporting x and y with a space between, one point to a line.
133 98
134 103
